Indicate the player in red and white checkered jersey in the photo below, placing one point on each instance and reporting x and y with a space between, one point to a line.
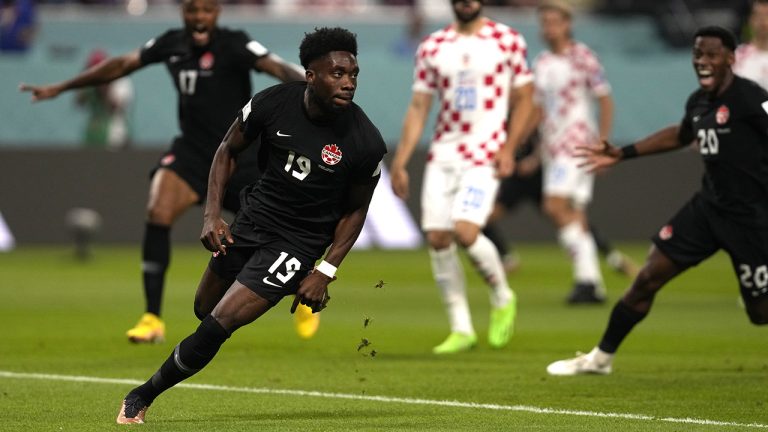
568 78
474 66
752 57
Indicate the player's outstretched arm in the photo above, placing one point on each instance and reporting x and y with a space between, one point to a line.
104 72
313 290
413 126
603 155
277 67
214 226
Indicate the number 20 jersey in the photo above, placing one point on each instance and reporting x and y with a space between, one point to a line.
731 133
308 169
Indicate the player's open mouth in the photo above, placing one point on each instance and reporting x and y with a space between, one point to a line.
706 78
201 35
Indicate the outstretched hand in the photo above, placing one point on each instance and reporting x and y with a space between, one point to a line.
313 292
40 92
597 156
214 230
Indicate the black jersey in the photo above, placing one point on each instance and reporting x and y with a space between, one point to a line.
309 166
732 134
212 82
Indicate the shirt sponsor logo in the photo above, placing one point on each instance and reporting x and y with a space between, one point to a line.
206 61
721 117
331 154
665 233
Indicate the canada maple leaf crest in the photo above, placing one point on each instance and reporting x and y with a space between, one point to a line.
331 154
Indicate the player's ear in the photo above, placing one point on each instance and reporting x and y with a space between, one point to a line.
309 75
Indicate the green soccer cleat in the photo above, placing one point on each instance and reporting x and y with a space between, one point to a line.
502 324
456 342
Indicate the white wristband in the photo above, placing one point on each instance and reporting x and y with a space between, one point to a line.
327 269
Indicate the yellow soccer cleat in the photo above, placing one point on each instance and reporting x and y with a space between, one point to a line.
149 329
306 322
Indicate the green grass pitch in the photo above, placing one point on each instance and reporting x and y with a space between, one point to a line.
695 357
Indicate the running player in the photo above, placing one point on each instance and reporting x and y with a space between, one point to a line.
727 117
474 66
210 67
525 185
568 80
323 160
752 57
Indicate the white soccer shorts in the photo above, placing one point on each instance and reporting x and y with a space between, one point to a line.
454 193
563 177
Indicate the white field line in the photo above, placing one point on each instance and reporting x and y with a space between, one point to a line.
389 399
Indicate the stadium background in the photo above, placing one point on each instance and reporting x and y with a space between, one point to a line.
44 172
695 365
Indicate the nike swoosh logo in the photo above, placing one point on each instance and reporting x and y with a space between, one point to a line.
268 282
282 134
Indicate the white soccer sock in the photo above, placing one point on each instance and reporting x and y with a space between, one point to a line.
449 275
488 263
580 245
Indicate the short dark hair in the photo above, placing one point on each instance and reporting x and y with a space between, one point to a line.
726 37
325 40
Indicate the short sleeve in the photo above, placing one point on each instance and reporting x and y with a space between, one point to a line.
685 134
596 79
424 73
255 115
153 51
518 57
247 49
369 168
758 109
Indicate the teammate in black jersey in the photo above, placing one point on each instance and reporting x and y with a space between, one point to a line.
727 117
323 160
210 67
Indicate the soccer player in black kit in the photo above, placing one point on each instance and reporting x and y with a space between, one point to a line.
210 67
323 161
727 118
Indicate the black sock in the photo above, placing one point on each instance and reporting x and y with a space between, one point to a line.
603 245
156 254
494 235
187 358
622 320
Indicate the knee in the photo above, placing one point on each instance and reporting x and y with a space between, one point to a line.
200 312
159 215
647 282
439 240
203 306
556 211
467 237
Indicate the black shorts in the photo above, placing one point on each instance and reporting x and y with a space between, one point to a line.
698 230
268 266
515 190
194 170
